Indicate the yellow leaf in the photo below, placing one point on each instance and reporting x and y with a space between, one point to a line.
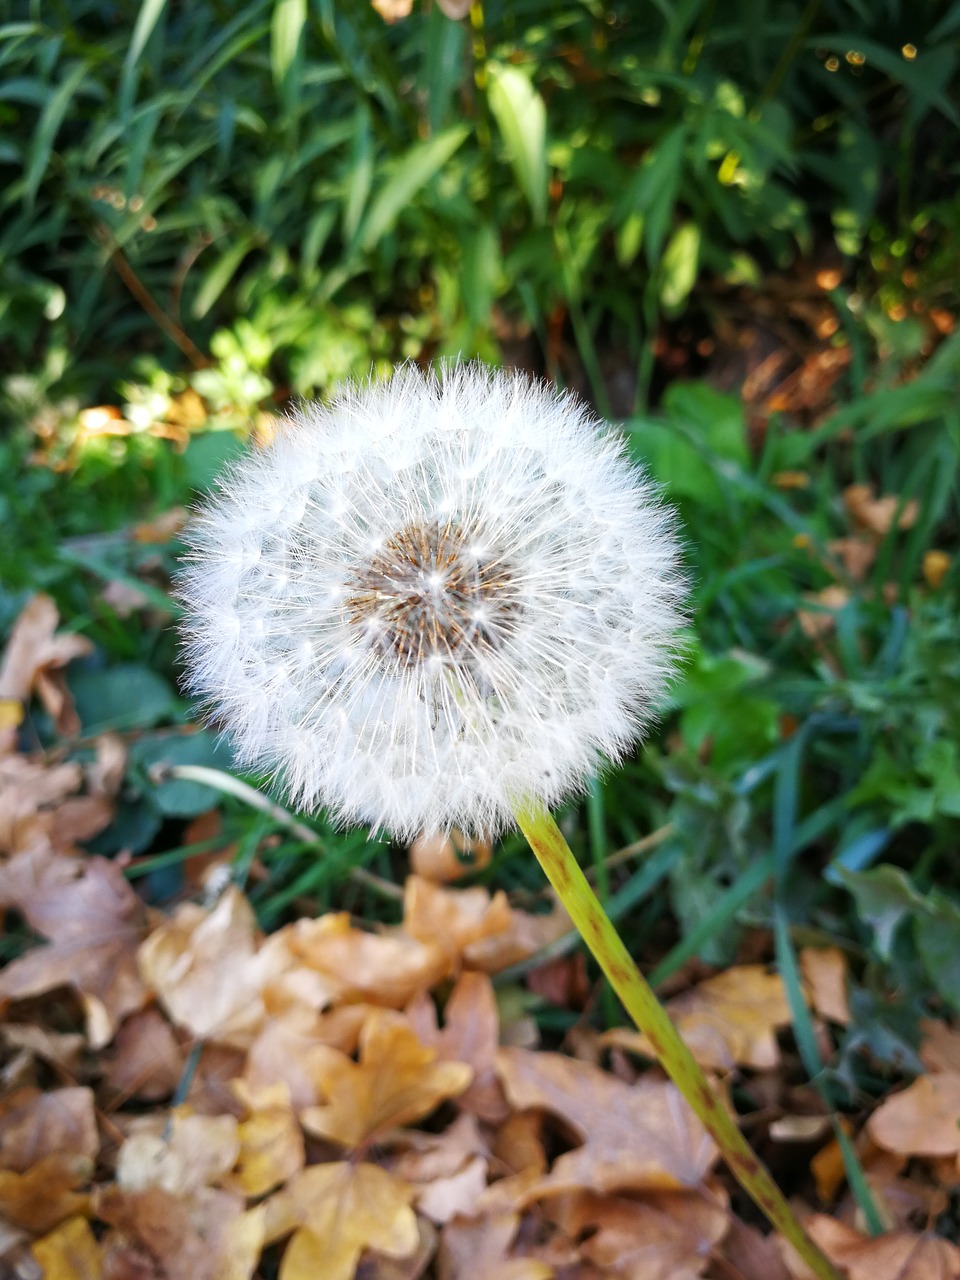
336 1212
397 1080
271 1141
70 1253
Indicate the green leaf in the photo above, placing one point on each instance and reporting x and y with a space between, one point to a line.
937 935
679 266
50 121
521 117
653 191
286 44
716 418
219 276
884 898
177 797
412 172
121 697
147 19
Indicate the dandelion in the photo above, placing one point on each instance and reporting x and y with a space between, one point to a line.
440 602
433 599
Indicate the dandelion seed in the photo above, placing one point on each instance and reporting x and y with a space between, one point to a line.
436 596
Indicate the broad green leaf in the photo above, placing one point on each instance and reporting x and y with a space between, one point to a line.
178 797
884 898
679 266
937 935
521 117
412 172
716 417
121 697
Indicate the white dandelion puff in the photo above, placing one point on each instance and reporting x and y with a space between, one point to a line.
439 597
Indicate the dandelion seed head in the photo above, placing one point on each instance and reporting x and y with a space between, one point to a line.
435 598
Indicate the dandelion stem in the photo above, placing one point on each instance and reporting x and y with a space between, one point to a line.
573 889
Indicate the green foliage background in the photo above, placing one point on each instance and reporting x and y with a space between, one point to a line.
253 202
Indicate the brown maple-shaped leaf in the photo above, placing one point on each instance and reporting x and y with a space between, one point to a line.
667 1235
70 1252
825 974
727 1020
336 1211
526 935
382 969
635 1137
32 662
209 969
146 1061
35 1125
471 1034
940 1046
449 1168
397 1080
897 1255
478 1248
94 921
46 1193
923 1120
206 1235
452 919
292 1047
31 794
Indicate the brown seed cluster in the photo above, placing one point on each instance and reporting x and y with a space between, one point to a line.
427 593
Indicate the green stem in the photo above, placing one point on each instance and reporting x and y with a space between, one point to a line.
573 889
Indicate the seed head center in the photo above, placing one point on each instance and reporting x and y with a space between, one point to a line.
432 591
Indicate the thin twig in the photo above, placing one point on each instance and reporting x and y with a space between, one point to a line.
154 310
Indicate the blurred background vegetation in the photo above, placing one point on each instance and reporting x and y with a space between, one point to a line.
733 225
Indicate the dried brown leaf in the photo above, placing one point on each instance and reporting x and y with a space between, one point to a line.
291 1048
727 1020
336 1211
940 1047
95 922
664 1236
526 936
471 1034
477 1249
897 1255
397 1080
452 919
203 1236
209 969
876 515
923 1120
380 969
46 1193
825 974
36 1125
146 1061
199 1151
635 1137
34 653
